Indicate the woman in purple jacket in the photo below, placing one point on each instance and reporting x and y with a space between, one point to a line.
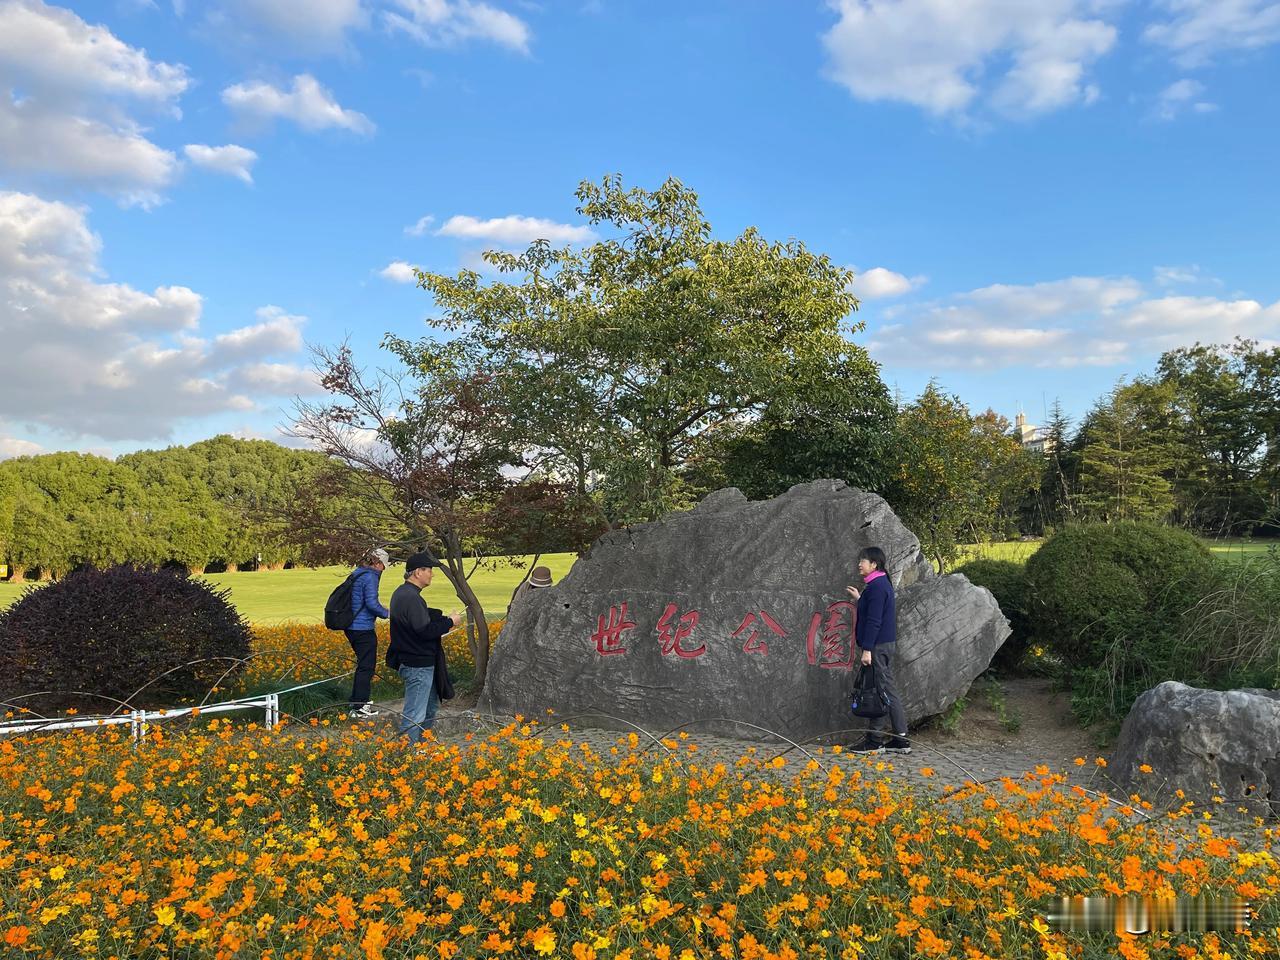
362 634
876 635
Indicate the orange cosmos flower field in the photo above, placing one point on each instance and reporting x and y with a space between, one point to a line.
313 841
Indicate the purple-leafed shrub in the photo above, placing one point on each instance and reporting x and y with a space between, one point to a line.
111 632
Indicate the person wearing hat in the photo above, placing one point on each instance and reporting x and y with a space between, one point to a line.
417 651
362 634
539 577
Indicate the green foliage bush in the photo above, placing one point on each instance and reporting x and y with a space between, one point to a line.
1108 600
1233 631
1007 582
123 634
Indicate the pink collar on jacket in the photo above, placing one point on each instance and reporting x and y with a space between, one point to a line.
873 575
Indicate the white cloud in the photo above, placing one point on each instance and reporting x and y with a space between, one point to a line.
398 272
67 90
514 230
308 104
947 55
1075 322
92 358
1173 321
277 379
1061 323
1184 94
232 160
1174 275
52 50
444 22
1195 30
420 228
13 447
879 282
312 25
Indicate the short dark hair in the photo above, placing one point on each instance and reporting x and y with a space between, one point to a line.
876 556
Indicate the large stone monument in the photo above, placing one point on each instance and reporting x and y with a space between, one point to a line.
737 610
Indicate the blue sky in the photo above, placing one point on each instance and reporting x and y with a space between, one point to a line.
1038 197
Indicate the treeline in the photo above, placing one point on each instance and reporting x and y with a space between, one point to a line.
1196 444
213 505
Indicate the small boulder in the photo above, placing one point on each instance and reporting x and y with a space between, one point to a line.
1208 743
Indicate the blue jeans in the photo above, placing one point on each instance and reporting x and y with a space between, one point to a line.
420 701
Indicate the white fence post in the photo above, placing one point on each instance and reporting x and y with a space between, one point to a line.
138 725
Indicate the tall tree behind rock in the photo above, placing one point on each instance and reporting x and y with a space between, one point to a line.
622 360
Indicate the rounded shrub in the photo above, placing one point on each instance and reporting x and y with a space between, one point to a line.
1007 582
111 633
1094 584
1108 600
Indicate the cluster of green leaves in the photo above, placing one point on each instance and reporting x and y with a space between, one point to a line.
215 502
119 638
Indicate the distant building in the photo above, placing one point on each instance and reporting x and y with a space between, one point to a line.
1033 438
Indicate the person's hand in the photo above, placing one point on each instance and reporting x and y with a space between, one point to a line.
866 656
853 592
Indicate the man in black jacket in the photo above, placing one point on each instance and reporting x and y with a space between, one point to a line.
416 651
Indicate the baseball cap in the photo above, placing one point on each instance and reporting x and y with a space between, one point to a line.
417 561
381 556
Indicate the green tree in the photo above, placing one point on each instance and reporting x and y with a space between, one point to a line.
416 458
623 359
1059 477
1218 492
843 428
184 524
937 487
70 509
1128 453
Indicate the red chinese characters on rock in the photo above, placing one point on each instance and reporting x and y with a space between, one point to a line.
754 643
831 636
671 640
608 635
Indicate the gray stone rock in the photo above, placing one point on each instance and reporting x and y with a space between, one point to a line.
1206 743
737 610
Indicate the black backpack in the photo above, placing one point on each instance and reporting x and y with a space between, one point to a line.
338 614
869 701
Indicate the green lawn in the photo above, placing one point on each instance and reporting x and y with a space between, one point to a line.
274 596
1020 551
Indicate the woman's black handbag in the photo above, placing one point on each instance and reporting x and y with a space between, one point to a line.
869 701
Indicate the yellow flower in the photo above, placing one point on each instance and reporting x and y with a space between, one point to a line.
165 916
544 941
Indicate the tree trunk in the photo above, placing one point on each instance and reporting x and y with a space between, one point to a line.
456 572
233 568
195 569
19 575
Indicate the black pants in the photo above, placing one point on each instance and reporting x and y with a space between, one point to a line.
364 643
882 657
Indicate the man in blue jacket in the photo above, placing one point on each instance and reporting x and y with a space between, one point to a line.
876 635
362 634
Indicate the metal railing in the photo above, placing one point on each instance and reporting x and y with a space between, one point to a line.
139 719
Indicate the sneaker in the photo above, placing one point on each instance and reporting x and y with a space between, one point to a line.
898 745
868 746
365 712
